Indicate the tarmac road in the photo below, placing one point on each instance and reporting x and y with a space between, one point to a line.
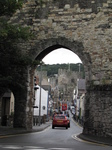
50 139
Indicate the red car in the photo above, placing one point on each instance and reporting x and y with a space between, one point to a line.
60 120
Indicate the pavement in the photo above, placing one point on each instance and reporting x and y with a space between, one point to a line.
96 139
5 131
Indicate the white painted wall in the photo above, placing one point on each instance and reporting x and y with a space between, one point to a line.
77 107
12 103
82 98
44 101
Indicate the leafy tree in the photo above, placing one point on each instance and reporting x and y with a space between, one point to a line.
53 69
8 7
12 62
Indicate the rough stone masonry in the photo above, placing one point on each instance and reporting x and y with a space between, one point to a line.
84 27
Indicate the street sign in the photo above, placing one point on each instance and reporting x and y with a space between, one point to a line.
64 107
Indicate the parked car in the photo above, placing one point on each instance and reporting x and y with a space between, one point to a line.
73 111
60 120
72 107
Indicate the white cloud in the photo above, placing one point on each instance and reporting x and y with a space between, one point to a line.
60 56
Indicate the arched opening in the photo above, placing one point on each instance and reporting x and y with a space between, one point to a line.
7 108
48 45
61 56
63 89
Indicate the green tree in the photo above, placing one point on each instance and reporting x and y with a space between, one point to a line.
8 7
53 69
12 62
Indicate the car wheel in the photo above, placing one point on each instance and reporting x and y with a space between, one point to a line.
67 127
52 127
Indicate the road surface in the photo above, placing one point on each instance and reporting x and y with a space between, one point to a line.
50 139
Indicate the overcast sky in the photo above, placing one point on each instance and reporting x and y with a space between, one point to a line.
60 56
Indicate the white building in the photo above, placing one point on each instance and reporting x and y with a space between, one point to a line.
44 101
79 98
82 100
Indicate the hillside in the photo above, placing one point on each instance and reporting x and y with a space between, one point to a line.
53 69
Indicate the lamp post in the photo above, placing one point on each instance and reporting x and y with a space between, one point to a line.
79 68
40 94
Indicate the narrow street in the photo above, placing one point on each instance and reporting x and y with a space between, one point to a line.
50 139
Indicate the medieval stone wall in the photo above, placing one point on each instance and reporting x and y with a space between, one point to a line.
84 27
98 114
88 22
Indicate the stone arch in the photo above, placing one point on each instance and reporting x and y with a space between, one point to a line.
46 46
40 50
20 97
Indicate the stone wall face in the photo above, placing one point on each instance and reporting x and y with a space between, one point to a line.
85 22
84 27
98 113
67 80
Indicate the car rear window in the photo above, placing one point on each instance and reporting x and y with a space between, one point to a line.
60 117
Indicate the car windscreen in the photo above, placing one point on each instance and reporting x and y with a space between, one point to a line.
60 117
